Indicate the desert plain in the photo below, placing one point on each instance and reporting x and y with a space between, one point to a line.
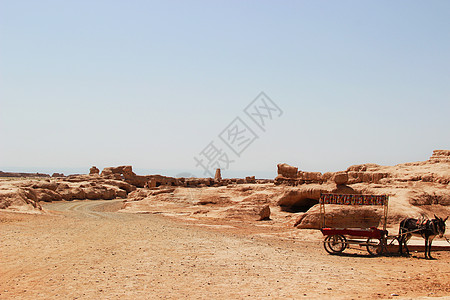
117 235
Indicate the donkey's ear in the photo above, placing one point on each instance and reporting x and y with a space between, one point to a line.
445 219
436 217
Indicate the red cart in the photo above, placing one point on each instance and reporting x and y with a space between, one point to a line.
338 239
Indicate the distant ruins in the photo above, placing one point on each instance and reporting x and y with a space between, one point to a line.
410 185
13 174
126 174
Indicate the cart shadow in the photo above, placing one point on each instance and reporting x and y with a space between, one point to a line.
361 255
354 255
422 257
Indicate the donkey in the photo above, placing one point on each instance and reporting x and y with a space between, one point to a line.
428 229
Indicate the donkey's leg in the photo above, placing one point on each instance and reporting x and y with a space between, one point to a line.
406 239
426 246
400 244
400 239
430 240
429 248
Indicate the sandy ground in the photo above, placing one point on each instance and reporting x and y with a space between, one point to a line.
87 250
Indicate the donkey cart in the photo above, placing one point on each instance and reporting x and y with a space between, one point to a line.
338 239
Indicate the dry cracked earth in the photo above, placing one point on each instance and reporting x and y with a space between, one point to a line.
89 250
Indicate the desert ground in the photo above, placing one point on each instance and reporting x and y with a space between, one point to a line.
118 235
90 250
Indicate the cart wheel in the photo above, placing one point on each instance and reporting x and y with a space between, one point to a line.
373 246
335 244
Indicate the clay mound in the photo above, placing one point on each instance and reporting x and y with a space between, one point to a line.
99 192
29 192
216 200
247 211
341 216
43 184
84 187
17 199
254 207
47 195
251 202
70 193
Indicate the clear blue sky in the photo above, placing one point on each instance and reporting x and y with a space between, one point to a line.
152 83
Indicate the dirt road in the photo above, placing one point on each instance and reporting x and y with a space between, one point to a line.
87 250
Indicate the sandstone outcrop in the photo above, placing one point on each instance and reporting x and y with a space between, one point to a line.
287 171
297 193
18 199
113 182
47 195
414 189
250 179
440 156
246 211
100 192
74 187
128 188
45 184
94 171
310 177
251 202
287 175
264 213
255 207
138 195
71 193
340 178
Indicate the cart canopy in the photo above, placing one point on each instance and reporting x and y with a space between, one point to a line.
353 199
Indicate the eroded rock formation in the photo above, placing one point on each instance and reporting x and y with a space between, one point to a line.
287 171
414 189
19 199
94 171
440 156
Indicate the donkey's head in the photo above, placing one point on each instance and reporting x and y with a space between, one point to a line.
440 225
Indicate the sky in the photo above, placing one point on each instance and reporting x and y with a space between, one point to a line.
161 85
